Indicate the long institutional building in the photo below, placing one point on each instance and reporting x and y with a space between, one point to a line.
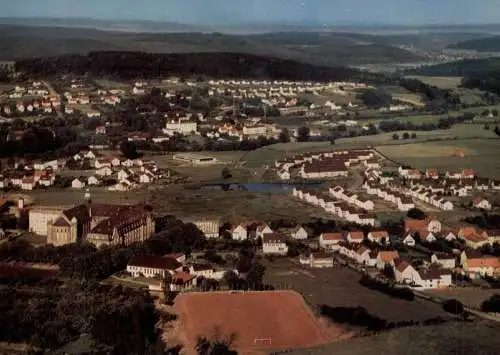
99 224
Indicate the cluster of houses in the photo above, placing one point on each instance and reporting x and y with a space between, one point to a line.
27 176
173 271
329 164
33 99
128 173
345 209
423 194
434 274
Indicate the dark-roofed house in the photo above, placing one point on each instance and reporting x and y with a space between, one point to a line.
153 266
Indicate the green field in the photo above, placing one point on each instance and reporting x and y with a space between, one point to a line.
481 155
442 82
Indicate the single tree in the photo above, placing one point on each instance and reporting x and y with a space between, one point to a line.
255 275
129 150
497 131
494 112
413 135
453 306
284 136
226 174
416 213
303 134
395 136
406 135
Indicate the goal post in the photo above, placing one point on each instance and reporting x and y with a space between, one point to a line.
262 341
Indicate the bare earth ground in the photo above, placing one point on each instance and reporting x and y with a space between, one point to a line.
478 338
257 320
339 287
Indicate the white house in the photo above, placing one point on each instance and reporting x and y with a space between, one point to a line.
153 266
409 240
355 237
481 203
299 233
239 232
406 274
263 229
273 243
93 181
330 240
104 171
78 183
446 261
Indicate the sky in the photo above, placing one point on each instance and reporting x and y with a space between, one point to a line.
233 12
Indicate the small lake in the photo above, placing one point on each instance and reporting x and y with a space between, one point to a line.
260 187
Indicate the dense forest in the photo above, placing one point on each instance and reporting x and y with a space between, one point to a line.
482 74
133 65
486 44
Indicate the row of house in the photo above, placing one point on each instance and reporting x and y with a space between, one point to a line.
403 203
328 164
423 194
410 173
340 209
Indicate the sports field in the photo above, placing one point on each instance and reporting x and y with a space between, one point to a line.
257 321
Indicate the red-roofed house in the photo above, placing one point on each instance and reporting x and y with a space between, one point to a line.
481 203
355 237
386 257
380 237
330 240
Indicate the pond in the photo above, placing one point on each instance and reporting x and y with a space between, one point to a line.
260 187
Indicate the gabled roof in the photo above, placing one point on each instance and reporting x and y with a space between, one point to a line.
379 234
333 236
358 235
155 262
388 255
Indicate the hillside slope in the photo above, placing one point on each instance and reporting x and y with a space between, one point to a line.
132 65
448 339
487 44
21 42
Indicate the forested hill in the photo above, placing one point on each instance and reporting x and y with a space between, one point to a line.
483 74
470 67
132 65
487 44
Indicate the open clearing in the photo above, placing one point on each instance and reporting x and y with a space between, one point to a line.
339 287
481 155
257 320
442 82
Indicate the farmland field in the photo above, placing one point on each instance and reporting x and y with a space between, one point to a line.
453 338
481 155
339 287
442 82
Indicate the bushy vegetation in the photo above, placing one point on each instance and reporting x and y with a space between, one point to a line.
400 292
121 319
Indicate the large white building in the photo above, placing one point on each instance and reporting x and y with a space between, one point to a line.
181 127
39 218
209 227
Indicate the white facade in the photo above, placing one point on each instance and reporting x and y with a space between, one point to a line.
275 247
39 219
239 233
181 127
299 234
